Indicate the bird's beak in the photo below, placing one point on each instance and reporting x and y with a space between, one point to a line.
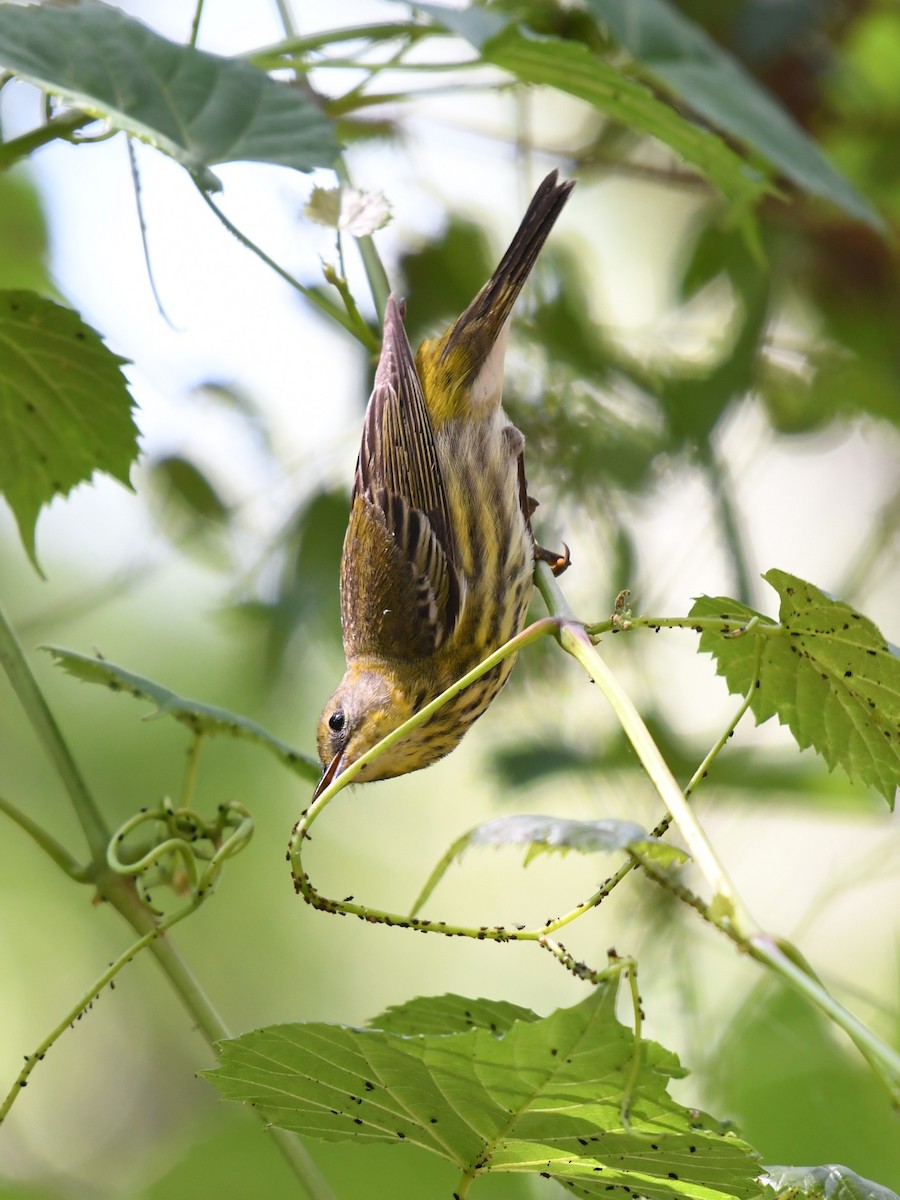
330 773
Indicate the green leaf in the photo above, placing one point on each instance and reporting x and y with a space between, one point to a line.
669 48
65 411
181 481
543 1096
826 672
197 107
200 718
781 1052
190 510
546 834
475 24
572 68
23 235
543 835
831 1182
450 1014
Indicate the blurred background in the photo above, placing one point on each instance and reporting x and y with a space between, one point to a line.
694 414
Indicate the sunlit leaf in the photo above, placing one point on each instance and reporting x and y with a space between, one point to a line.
65 410
831 1182
544 835
197 107
450 1014
538 1096
826 672
200 718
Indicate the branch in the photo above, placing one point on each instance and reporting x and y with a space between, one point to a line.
42 721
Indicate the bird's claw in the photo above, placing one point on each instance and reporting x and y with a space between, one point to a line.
555 561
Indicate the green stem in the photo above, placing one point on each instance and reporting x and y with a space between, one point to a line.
884 1061
785 960
270 58
465 1183
190 775
121 893
371 260
47 842
210 1024
58 127
38 712
286 17
719 744
195 23
142 225
715 473
84 1003
574 639
358 329
619 624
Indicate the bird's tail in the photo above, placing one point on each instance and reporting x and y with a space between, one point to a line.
450 366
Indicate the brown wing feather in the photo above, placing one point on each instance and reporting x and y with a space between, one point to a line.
407 596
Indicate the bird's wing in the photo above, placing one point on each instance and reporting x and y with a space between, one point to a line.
400 588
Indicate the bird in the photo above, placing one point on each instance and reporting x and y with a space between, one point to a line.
438 558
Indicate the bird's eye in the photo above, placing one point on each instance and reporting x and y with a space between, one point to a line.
337 720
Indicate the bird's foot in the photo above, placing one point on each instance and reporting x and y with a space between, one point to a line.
555 561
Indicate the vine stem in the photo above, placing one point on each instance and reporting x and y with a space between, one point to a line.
62 127
783 959
44 724
47 842
883 1060
357 328
214 1030
120 892
573 638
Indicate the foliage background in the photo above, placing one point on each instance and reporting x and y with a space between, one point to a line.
227 592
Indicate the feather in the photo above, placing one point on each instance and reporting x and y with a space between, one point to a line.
400 525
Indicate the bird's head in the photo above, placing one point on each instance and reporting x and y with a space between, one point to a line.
366 707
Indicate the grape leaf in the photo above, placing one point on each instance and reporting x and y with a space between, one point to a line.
544 835
668 47
826 672
65 411
197 107
831 1182
199 718
541 1096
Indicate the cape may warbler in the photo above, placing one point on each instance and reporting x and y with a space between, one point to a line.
439 555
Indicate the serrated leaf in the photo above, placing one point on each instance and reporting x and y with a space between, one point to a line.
199 718
65 411
197 107
544 1096
826 672
670 48
450 1014
831 1182
573 68
544 835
